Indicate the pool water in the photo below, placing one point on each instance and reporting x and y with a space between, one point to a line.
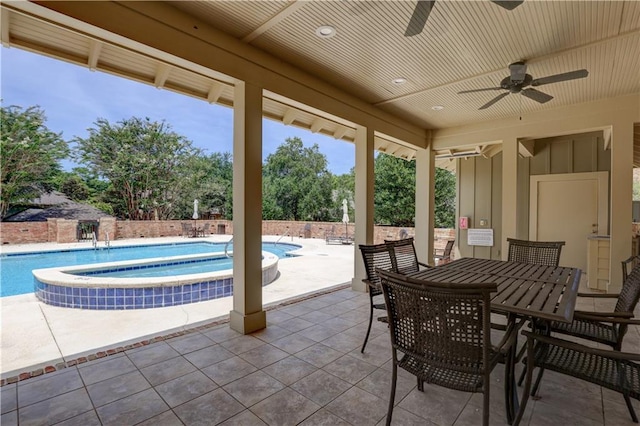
166 270
15 268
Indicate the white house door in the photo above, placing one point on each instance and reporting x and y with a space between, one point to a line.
569 207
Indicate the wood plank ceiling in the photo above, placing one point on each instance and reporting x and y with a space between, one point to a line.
464 45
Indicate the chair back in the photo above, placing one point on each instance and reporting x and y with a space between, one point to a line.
628 265
536 252
630 292
448 248
375 256
446 326
403 255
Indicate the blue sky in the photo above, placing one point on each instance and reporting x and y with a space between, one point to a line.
73 98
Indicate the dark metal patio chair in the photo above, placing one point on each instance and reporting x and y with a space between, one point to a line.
444 255
440 332
187 229
613 370
537 252
204 231
628 265
608 328
403 256
374 256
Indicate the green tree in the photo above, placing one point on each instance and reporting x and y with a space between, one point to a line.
210 182
395 189
145 162
296 183
29 155
343 189
74 188
445 199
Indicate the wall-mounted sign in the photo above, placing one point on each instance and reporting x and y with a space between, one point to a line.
463 222
480 237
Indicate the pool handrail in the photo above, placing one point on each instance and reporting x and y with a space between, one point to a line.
226 247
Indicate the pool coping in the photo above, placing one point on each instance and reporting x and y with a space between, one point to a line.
68 275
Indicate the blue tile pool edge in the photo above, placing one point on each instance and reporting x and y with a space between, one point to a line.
59 287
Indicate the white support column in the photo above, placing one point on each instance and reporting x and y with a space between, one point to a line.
364 201
509 192
425 201
247 315
621 190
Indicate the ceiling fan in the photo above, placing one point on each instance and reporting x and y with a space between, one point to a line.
519 81
423 9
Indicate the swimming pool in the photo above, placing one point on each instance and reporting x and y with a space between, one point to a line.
92 287
16 268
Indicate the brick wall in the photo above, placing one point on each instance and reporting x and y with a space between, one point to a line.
64 231
24 232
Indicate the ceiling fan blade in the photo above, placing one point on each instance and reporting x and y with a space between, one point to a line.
494 100
480 90
508 4
571 75
536 95
419 17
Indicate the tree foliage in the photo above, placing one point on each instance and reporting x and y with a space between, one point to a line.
138 169
296 183
30 155
210 181
445 199
394 191
343 189
144 161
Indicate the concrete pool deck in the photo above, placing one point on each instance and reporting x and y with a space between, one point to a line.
35 335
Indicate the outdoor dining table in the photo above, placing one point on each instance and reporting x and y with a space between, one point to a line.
525 291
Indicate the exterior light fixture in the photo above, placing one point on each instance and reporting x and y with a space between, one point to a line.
399 81
437 107
325 31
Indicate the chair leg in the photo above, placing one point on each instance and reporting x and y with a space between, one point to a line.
527 387
392 396
485 407
631 410
522 375
420 385
534 390
368 328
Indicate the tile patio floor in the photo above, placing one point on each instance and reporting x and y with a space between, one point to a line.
305 368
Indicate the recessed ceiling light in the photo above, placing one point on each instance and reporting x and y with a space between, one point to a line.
325 31
398 81
437 107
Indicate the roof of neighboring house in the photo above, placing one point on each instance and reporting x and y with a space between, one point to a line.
55 205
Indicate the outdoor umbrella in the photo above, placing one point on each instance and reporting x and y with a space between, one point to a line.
345 217
195 209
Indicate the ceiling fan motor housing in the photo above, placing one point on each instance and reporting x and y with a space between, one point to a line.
516 86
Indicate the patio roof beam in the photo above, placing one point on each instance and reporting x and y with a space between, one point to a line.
159 27
162 74
94 54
